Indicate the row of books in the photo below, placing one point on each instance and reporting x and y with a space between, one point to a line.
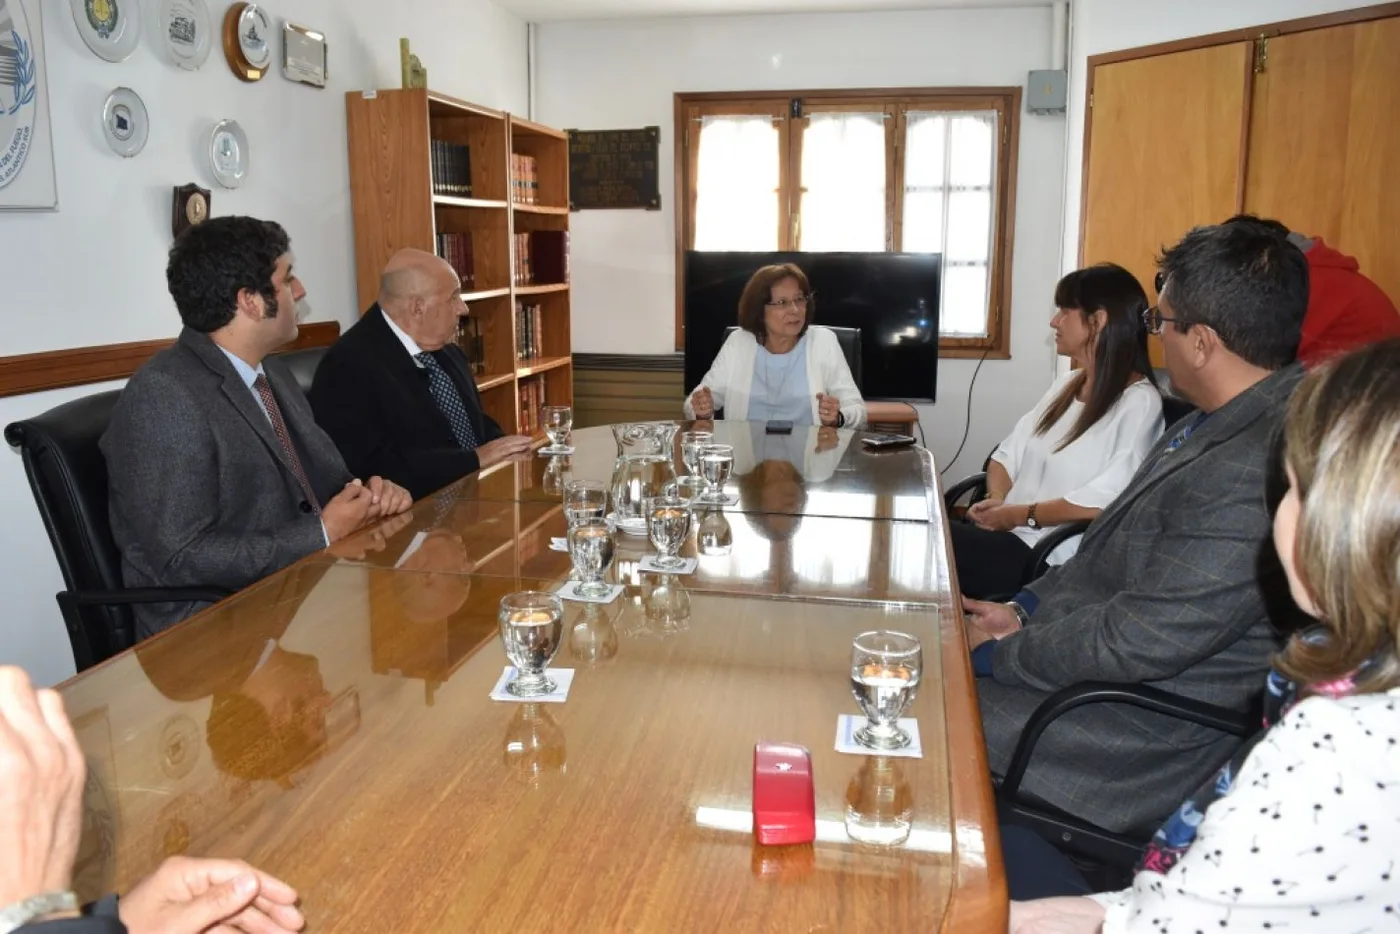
541 257
524 179
456 248
452 169
529 331
469 338
531 401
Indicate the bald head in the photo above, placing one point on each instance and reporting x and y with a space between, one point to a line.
419 291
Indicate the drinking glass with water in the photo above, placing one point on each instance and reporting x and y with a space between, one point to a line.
532 626
668 523
557 420
591 550
885 670
691 443
716 464
585 499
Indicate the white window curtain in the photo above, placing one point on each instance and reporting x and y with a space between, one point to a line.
843 182
736 204
949 168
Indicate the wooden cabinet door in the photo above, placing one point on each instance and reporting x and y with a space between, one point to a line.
1164 153
1324 146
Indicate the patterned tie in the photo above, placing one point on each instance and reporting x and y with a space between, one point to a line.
279 428
449 400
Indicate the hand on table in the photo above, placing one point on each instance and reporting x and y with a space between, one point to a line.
194 896
347 511
702 402
387 498
493 452
42 772
828 409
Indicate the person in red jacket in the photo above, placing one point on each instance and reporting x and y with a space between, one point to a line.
1345 309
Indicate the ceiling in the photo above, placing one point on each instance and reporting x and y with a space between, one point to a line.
543 11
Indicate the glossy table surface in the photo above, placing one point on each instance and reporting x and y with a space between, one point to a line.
332 725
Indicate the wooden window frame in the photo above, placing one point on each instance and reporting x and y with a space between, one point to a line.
689 108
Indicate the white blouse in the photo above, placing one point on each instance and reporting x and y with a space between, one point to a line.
1093 470
1308 838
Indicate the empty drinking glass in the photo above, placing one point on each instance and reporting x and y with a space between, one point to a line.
885 671
668 523
591 550
585 499
532 626
691 443
716 464
557 421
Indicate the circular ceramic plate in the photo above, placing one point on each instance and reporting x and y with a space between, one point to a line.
255 36
111 28
125 123
636 526
228 153
186 32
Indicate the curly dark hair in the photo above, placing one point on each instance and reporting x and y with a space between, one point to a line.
210 263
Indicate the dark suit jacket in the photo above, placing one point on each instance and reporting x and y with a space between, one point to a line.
201 490
1170 587
373 399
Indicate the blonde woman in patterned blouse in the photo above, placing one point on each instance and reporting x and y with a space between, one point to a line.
1301 830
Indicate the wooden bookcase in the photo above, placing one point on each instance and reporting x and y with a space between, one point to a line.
390 137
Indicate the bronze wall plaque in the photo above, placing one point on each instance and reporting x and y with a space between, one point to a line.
190 206
614 169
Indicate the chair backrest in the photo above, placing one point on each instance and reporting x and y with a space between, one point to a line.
848 338
68 477
303 364
1175 409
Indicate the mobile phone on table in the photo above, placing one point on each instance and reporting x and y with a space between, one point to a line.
778 427
880 442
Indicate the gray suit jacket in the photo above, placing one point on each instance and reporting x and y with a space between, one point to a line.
1170 587
201 490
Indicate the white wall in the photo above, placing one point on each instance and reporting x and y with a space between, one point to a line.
603 75
1111 25
93 273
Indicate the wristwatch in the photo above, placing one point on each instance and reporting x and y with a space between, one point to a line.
1022 617
36 906
1031 522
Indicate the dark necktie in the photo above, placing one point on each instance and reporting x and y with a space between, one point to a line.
449 401
279 428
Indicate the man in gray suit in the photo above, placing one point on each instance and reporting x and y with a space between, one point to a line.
1166 588
217 472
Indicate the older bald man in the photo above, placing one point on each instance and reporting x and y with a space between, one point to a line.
397 390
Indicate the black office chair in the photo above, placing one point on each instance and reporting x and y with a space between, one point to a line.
848 338
303 364
68 476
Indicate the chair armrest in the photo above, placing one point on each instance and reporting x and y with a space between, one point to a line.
976 484
1040 554
131 595
1102 692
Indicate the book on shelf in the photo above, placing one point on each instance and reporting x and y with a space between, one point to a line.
524 179
456 248
451 168
473 345
529 328
531 400
542 257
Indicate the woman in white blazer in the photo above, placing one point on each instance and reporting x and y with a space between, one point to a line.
777 367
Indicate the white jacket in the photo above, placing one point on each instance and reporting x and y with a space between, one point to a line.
731 377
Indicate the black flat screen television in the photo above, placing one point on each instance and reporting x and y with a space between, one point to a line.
891 297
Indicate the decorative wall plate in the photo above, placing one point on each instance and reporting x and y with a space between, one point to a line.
186 31
125 122
228 153
111 28
248 40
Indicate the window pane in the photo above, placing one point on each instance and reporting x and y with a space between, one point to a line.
843 182
736 184
971 151
964 302
924 143
923 221
969 226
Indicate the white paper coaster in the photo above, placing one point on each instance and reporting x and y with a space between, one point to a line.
563 678
570 592
559 543
648 564
847 724
730 500
562 452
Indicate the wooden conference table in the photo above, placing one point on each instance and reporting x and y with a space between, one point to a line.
331 723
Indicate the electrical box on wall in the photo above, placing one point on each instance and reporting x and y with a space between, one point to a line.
1046 91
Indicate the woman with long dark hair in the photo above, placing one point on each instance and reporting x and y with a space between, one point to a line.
1073 453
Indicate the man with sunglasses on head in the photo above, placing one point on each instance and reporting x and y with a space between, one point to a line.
1171 582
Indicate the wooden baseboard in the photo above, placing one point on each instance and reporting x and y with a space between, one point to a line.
80 366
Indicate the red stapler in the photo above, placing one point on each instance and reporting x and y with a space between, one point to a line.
784 804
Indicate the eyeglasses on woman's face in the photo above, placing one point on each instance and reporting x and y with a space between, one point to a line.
797 301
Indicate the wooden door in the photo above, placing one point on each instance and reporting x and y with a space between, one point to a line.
1164 153
1324 146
